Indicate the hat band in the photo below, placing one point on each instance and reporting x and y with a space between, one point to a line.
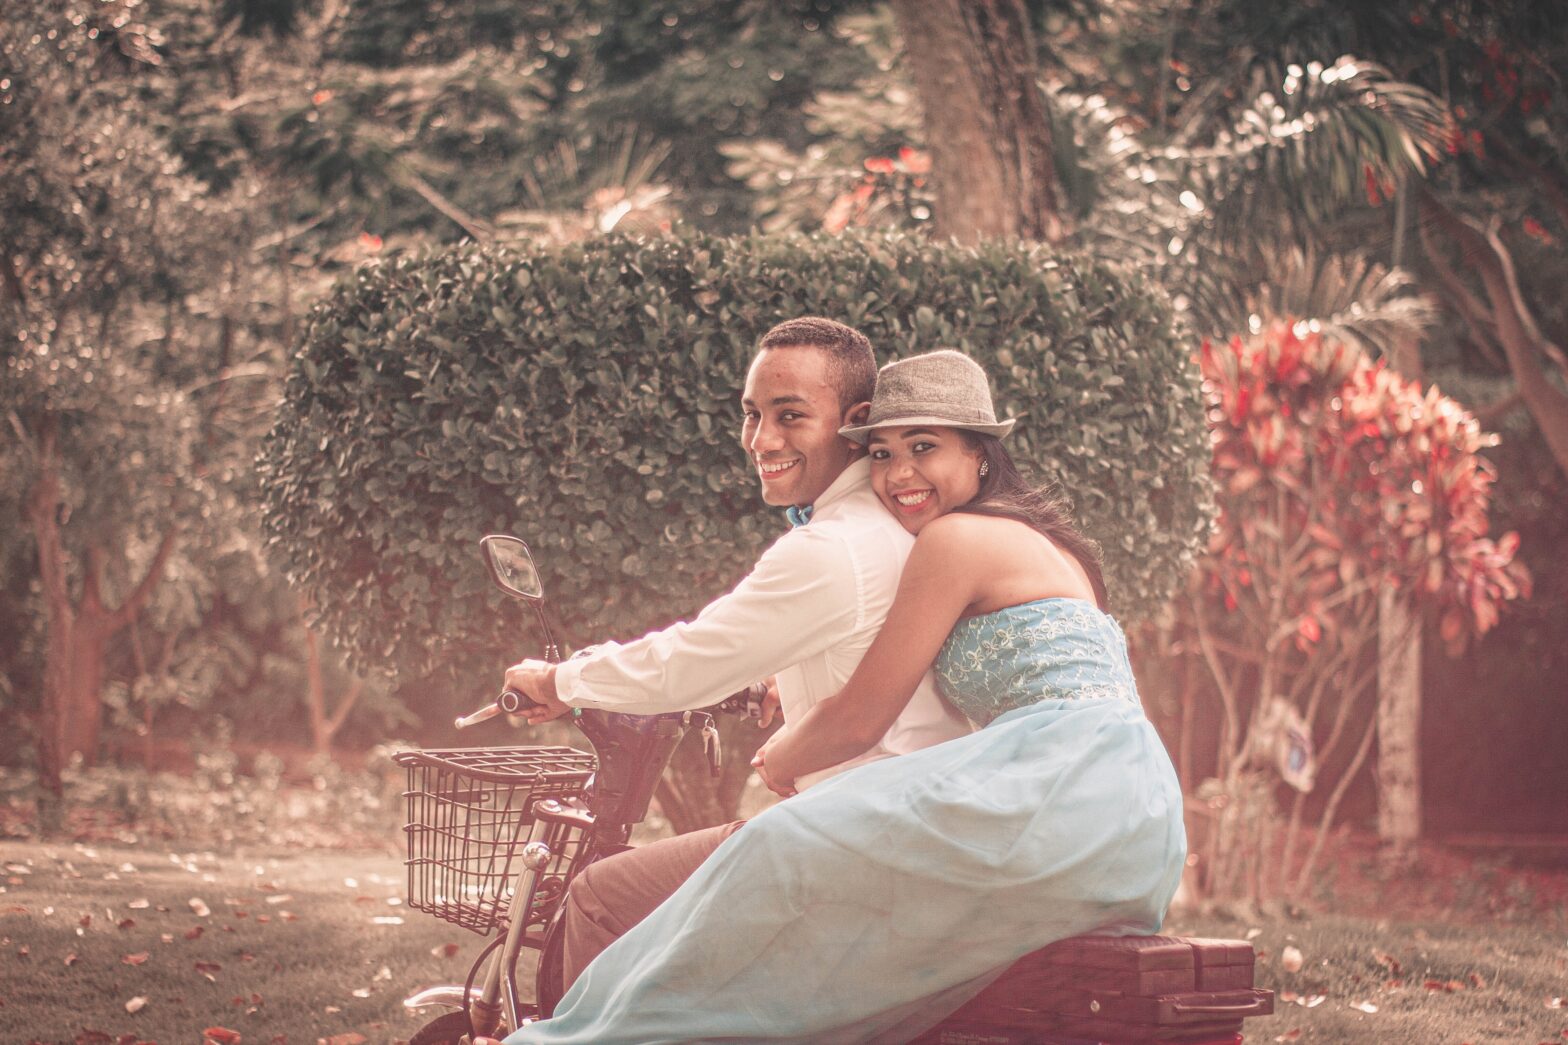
947 410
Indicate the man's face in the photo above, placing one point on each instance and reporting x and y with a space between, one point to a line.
792 423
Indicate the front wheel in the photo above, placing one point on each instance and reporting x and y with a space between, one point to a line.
451 1029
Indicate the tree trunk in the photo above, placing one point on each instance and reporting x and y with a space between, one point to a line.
71 712
1399 653
1398 720
323 726
993 161
43 504
1516 329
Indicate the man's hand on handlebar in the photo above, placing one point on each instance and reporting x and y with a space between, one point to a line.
535 679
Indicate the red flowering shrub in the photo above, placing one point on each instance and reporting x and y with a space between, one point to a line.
1335 477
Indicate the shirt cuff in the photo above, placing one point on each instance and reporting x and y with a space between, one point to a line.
569 687
568 676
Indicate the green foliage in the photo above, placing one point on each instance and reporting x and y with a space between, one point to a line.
586 398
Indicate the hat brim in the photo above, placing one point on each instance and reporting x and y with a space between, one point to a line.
862 433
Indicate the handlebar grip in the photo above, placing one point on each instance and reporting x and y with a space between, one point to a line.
513 702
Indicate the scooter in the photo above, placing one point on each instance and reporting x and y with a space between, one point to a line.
495 836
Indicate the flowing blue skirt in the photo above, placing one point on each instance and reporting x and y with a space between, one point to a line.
870 906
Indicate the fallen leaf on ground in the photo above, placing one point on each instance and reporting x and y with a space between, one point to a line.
136 1004
383 973
280 898
221 1035
1290 1035
135 959
444 950
1364 1006
201 909
351 1038
126 923
195 932
361 992
208 967
1290 959
139 905
71 959
1555 1003
387 919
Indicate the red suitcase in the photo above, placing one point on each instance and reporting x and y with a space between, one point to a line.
1117 991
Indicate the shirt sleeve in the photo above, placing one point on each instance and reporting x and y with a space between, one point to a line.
801 597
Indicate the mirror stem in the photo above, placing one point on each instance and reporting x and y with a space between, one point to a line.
552 652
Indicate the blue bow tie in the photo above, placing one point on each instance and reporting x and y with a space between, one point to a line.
797 515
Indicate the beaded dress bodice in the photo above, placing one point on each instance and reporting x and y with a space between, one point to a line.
1049 649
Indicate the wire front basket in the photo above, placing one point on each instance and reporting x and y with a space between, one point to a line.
468 814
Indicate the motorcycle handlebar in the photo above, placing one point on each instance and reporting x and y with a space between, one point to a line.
747 701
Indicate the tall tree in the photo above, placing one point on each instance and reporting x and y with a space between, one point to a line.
975 67
119 341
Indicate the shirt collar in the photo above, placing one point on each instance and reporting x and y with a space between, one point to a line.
855 477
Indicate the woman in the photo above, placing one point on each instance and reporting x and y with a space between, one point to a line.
875 903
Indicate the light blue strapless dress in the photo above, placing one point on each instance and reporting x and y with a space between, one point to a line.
873 904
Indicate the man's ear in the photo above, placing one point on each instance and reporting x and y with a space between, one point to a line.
855 415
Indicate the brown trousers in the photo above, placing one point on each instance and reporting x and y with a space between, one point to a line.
609 897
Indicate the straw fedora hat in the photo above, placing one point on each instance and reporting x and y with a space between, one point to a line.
944 388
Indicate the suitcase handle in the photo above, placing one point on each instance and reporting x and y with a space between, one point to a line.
1251 1007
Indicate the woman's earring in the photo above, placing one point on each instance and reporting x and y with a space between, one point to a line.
985 469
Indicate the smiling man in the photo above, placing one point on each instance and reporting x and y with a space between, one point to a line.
805 615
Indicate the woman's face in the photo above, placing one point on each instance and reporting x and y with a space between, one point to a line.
920 473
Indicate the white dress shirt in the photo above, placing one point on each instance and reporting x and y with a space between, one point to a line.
806 613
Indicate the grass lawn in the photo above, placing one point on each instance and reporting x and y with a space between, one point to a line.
304 946
1394 982
294 948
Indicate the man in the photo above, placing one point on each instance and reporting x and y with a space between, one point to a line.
806 613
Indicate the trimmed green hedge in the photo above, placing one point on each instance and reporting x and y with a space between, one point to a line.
586 398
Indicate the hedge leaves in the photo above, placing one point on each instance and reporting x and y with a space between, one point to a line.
586 398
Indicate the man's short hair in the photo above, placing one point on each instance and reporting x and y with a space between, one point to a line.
852 365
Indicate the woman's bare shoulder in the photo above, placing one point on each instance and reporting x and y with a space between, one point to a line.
970 534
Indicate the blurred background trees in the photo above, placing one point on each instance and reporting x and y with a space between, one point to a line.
185 180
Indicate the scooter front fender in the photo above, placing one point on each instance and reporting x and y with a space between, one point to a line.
449 995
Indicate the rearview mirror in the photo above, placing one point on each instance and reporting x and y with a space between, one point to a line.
512 567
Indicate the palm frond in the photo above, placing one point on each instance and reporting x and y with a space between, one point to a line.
1347 296
1310 144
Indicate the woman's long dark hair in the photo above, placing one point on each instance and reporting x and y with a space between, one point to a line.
1005 493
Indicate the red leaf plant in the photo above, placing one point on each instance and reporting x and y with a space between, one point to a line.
1336 478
